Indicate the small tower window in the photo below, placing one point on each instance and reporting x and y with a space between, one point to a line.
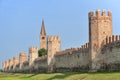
104 32
43 37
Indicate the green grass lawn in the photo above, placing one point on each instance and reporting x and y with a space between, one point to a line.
61 76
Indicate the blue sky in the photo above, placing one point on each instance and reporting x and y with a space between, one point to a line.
20 22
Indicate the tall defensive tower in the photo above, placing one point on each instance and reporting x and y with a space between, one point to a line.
22 59
15 62
100 26
43 38
54 45
33 54
10 64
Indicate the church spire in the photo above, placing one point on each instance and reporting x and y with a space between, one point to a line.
43 32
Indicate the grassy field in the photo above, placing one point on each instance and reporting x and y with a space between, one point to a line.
61 76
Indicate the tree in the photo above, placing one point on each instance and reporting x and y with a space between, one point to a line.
1 70
42 52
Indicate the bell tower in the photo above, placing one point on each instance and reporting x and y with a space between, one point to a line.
43 38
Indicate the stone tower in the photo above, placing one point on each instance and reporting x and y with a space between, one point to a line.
33 54
15 61
22 59
43 37
7 65
3 66
100 26
10 64
54 45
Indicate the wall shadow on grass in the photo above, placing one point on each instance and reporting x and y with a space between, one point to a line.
68 74
65 75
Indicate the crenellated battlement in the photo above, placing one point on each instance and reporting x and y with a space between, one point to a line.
33 49
70 50
99 13
86 45
111 39
53 38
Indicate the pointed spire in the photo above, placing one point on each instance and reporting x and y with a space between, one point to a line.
43 32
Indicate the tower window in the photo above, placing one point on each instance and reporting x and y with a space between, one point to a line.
43 37
104 32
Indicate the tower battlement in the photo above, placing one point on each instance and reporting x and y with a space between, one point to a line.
99 13
33 49
22 54
15 58
53 38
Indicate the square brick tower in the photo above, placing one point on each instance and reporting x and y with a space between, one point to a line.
100 26
33 54
15 62
54 45
22 59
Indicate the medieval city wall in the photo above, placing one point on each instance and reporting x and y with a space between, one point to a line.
109 57
40 64
16 68
77 59
74 59
25 66
101 53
